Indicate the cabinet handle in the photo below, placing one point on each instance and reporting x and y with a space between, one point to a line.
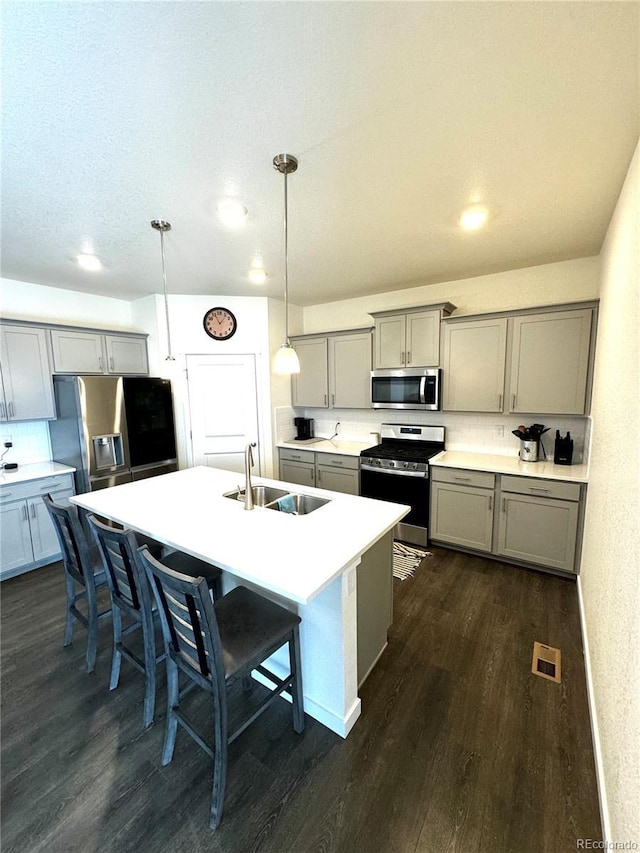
325 399
504 504
294 456
538 489
490 502
33 510
111 364
401 358
408 357
99 362
319 475
25 517
336 462
51 487
499 402
12 411
513 401
333 399
464 479
5 495
3 411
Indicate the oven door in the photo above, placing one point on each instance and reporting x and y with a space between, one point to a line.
399 489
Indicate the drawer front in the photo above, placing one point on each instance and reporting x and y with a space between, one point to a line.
34 488
297 455
463 477
541 488
338 461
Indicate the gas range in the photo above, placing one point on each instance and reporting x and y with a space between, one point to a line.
397 470
405 449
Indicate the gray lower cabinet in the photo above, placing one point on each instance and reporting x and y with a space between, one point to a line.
538 521
462 508
335 472
525 519
28 537
338 473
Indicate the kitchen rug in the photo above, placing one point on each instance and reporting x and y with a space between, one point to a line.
406 560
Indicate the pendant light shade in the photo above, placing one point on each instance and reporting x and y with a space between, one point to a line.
286 359
162 225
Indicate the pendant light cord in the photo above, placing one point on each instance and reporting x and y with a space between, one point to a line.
161 225
286 265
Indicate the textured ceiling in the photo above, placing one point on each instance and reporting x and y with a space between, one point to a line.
400 114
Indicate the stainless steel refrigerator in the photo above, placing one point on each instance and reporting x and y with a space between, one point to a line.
113 429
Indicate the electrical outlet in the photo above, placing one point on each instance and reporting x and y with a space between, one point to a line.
499 430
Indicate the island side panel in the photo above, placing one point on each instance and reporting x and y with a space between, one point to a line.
328 645
374 603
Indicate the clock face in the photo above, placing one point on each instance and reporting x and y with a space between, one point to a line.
220 324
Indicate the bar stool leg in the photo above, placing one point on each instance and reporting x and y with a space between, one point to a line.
295 660
172 720
117 654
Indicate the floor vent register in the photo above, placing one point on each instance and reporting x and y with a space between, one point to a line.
546 662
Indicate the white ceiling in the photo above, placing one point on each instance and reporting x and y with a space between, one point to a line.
401 114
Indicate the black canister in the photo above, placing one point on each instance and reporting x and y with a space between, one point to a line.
563 449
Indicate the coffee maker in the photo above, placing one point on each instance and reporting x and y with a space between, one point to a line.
304 427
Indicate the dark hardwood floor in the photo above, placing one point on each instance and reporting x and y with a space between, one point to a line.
459 747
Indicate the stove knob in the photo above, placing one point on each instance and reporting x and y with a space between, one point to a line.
405 465
392 464
415 466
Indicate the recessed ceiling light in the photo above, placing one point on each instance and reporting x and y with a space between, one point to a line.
257 276
89 262
231 212
474 217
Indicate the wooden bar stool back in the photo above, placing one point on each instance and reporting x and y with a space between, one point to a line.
130 600
84 575
214 646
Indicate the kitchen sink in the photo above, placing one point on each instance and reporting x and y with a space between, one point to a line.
303 504
262 495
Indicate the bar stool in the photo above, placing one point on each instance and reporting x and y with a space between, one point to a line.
214 646
84 575
131 599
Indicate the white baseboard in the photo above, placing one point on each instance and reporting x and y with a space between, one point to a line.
595 736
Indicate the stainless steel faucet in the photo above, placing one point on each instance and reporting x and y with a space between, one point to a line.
248 488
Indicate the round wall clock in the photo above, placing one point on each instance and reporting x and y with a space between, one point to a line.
220 324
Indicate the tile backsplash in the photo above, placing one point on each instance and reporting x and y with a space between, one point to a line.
485 433
30 441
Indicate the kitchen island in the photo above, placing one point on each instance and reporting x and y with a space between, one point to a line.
332 566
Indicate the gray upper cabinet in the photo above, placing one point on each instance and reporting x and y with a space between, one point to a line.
550 362
27 388
335 371
473 365
79 351
409 338
126 354
350 371
310 387
529 363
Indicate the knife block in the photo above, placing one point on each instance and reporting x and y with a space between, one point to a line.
563 450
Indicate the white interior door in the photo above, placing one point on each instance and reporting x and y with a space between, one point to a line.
223 405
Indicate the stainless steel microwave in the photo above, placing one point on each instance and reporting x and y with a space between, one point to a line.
406 388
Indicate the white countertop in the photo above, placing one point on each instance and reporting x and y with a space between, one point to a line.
33 471
510 465
293 556
325 445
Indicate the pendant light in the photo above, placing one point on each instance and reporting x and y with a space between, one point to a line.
162 225
286 359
